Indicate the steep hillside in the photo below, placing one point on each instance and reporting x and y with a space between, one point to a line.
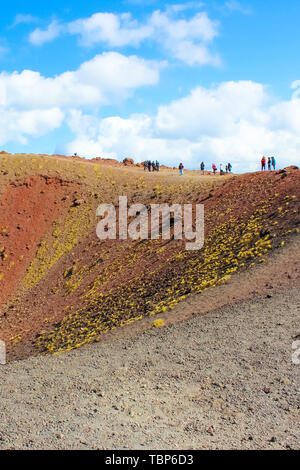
62 287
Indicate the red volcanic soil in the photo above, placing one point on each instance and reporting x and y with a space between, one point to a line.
242 193
27 210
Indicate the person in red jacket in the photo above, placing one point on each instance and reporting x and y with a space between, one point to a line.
263 163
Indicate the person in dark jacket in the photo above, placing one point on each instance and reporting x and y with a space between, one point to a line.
273 162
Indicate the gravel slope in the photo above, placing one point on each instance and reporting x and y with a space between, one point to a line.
219 381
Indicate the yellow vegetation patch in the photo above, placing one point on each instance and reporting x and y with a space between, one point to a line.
228 247
159 323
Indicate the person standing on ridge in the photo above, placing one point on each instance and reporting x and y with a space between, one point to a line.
181 169
273 162
202 166
229 167
263 163
214 168
157 165
269 163
149 165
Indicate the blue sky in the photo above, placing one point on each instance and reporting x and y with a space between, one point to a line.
186 81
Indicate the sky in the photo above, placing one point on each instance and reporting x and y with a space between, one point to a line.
216 81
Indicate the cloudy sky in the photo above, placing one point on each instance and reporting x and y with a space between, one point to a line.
216 81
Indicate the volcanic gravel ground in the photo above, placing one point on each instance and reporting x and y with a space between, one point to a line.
225 380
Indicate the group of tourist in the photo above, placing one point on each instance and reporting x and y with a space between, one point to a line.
227 170
151 166
270 162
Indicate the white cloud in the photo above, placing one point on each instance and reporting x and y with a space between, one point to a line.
24 19
185 39
18 125
38 37
296 86
234 5
213 112
105 79
115 30
236 121
178 7
3 51
32 105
